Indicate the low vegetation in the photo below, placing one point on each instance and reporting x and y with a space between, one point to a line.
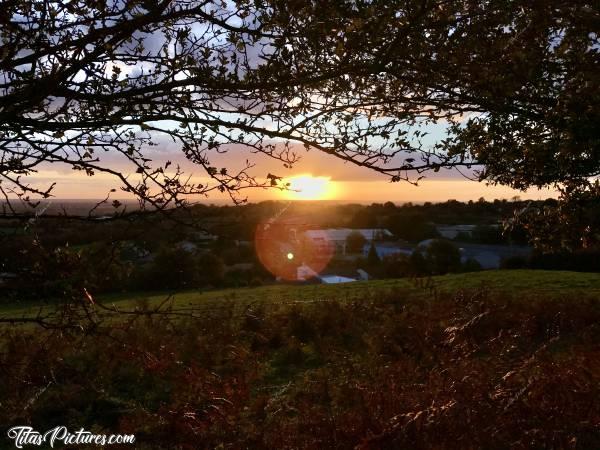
487 360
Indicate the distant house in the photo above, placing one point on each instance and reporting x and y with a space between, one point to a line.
304 272
241 267
488 256
362 275
136 253
451 231
384 249
203 236
339 236
425 243
187 246
7 277
454 231
335 279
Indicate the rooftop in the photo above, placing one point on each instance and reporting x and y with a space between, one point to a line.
340 234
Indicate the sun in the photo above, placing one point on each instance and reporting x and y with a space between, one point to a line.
307 187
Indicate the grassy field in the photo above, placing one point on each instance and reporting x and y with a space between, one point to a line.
553 283
494 360
509 281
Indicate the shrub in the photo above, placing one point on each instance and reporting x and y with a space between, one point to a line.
395 369
442 257
514 262
355 242
471 265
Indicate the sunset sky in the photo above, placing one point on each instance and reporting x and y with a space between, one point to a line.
316 176
322 176
325 177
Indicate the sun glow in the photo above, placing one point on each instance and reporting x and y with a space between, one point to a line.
307 187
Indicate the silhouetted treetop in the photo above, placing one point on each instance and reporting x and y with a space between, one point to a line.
508 88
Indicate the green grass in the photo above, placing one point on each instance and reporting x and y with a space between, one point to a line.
509 281
502 281
522 364
512 281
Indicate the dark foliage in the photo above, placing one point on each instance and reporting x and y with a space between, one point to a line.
442 256
355 242
579 261
512 84
412 226
462 370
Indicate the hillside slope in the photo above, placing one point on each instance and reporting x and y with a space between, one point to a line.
506 281
553 283
511 362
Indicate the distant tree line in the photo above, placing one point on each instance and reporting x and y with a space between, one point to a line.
57 257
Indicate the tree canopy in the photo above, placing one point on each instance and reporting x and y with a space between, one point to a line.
512 85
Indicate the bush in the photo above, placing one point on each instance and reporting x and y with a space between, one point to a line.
396 369
418 264
514 262
442 257
411 226
471 265
355 242
211 270
586 260
395 266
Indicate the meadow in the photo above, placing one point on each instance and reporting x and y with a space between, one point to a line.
552 283
503 359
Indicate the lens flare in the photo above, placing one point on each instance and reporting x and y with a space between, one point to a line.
285 250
